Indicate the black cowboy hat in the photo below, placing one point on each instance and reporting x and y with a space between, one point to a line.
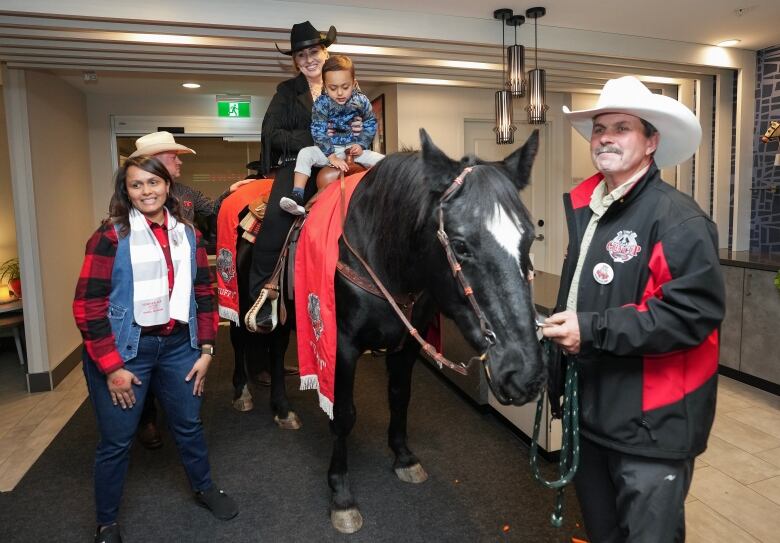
304 35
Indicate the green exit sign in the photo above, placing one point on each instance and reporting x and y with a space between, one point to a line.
233 109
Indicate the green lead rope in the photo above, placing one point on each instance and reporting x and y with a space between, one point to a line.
570 442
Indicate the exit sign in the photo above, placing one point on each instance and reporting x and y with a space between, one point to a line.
233 109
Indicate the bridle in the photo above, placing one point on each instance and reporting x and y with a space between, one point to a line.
455 267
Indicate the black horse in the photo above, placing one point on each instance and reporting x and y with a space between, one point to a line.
392 222
252 351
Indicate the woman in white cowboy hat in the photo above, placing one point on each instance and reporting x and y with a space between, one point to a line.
286 130
640 305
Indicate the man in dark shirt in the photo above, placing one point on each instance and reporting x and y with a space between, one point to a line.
163 147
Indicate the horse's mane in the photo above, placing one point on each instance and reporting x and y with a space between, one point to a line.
397 201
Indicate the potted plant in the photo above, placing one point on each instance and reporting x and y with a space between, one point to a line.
9 273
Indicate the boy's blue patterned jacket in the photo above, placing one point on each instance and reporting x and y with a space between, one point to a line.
326 110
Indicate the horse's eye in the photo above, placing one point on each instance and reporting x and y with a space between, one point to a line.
460 248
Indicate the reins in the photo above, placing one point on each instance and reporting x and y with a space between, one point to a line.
455 267
569 459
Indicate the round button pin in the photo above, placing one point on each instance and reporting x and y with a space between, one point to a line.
603 273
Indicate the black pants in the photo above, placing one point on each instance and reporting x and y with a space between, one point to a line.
627 498
276 225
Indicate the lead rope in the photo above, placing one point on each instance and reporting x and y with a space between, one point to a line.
570 442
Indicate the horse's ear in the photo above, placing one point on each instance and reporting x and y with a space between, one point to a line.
519 163
438 168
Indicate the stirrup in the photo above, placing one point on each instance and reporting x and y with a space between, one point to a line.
266 294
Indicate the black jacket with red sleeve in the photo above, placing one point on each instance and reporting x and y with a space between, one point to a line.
650 303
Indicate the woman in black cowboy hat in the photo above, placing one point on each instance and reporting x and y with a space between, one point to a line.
286 130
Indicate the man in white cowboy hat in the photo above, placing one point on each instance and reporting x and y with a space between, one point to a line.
163 147
640 305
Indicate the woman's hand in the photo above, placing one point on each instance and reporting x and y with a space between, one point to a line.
337 162
199 370
120 385
355 150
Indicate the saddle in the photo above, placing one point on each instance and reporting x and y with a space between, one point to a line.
284 271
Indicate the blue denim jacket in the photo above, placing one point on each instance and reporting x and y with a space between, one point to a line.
120 302
327 111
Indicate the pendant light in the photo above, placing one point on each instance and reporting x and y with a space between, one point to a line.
505 130
537 108
515 56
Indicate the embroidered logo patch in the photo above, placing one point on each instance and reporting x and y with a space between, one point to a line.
623 247
313 307
226 268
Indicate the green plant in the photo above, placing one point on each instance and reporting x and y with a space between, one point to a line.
9 270
777 280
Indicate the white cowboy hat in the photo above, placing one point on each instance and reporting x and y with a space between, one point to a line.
158 142
678 128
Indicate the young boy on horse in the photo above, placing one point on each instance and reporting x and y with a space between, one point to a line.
331 128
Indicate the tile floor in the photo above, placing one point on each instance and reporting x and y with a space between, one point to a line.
735 495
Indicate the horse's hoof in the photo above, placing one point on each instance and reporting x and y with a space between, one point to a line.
292 422
244 402
412 474
346 521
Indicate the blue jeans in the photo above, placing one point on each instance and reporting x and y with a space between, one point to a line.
162 363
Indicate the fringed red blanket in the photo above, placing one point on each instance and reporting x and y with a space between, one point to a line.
227 234
315 301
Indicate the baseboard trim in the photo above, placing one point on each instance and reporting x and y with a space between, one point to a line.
751 380
48 380
39 382
66 366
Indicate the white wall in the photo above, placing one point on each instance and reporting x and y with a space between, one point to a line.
442 111
57 117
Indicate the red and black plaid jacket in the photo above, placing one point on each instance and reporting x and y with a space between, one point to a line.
90 305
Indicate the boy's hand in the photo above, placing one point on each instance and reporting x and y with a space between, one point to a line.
337 162
355 150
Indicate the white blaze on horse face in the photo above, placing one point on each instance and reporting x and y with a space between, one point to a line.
506 231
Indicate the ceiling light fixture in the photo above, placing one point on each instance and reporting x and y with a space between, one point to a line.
505 130
728 43
537 108
191 85
515 57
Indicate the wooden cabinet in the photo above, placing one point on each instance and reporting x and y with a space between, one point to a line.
760 349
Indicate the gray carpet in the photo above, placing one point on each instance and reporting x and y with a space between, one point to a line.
479 488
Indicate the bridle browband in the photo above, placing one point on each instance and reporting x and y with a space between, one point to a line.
457 272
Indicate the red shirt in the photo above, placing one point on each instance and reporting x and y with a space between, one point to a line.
90 306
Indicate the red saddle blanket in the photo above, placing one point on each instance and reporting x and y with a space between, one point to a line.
227 237
315 300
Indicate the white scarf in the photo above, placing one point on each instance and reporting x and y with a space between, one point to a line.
151 304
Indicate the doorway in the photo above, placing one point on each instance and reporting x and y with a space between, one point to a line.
479 138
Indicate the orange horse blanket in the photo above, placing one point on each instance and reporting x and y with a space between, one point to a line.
315 299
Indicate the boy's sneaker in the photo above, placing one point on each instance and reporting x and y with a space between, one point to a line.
291 206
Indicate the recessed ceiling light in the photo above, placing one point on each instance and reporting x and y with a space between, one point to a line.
728 43
191 85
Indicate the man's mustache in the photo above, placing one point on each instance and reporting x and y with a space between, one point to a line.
608 149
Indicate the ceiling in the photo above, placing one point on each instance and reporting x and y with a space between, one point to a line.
755 22
129 54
